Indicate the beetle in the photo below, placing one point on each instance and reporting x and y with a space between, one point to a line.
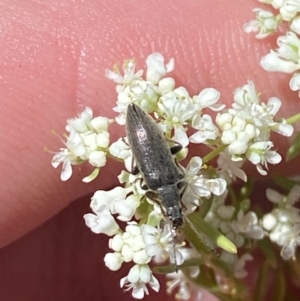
154 159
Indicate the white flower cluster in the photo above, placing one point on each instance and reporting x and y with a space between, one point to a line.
239 133
174 107
286 57
245 128
282 224
265 23
236 263
238 226
143 243
187 290
88 141
247 125
179 282
138 244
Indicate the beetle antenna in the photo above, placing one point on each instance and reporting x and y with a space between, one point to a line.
174 248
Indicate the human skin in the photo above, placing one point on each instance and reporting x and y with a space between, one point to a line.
52 62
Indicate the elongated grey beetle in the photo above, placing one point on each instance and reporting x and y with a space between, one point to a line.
153 157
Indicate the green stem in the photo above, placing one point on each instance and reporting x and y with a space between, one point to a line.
113 157
233 198
214 153
293 119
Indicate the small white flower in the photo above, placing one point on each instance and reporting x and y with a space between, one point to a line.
126 208
198 186
295 25
193 168
90 142
102 222
283 222
238 146
260 155
87 142
289 9
208 98
237 263
184 292
166 85
290 240
95 142
97 158
73 154
127 253
282 200
285 231
178 281
220 216
225 212
239 270
273 63
129 73
243 96
133 248
204 187
286 59
295 82
120 149
116 243
160 244
80 124
266 114
289 47
113 261
156 69
248 224
248 106
265 23
102 140
206 129
100 124
269 221
137 279
105 200
144 93
176 112
230 169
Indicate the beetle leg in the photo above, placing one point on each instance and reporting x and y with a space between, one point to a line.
183 206
176 148
142 185
153 197
134 169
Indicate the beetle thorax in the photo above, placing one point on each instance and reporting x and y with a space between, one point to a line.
169 196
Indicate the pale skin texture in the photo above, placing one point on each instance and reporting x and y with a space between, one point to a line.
52 62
